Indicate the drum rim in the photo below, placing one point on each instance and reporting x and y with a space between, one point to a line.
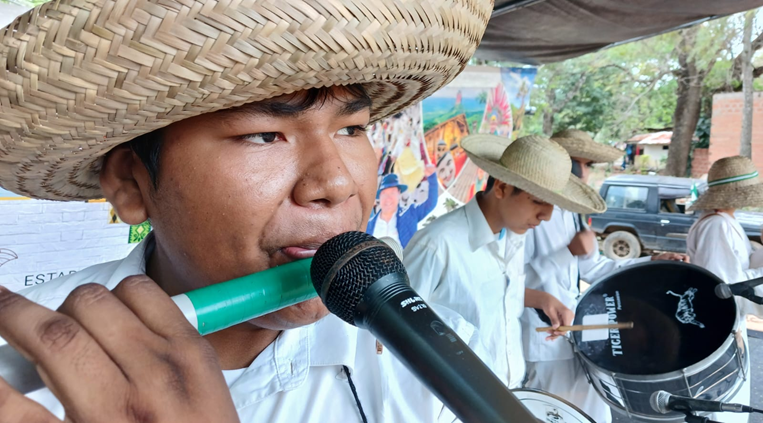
692 369
556 397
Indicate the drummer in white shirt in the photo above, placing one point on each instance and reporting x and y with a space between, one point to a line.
718 242
472 259
558 254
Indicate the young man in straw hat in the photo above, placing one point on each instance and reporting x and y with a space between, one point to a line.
718 242
558 253
226 126
472 259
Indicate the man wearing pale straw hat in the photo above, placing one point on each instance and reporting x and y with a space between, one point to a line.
717 242
224 123
472 259
558 254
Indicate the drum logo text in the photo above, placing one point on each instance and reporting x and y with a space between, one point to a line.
685 313
614 334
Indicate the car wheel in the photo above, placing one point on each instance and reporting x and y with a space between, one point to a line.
622 245
755 245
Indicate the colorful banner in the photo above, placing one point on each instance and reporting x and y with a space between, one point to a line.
423 171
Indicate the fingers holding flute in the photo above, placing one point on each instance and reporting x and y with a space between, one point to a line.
112 356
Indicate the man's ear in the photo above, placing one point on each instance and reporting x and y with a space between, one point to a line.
501 189
120 186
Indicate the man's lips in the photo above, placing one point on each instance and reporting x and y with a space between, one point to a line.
298 253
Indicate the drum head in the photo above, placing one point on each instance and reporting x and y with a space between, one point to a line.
550 408
678 320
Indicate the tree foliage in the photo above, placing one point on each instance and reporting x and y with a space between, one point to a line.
641 86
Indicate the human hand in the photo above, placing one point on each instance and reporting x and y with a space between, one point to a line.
672 257
124 356
558 314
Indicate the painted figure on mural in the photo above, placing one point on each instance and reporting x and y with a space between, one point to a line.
394 221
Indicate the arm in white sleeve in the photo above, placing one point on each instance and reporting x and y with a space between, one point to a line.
597 266
715 253
425 267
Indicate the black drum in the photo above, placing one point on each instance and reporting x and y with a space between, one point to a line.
684 339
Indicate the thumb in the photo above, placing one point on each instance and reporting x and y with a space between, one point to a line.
553 316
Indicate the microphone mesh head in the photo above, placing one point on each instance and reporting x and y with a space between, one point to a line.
723 291
659 402
346 288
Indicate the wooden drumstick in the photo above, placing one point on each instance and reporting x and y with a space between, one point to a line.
626 325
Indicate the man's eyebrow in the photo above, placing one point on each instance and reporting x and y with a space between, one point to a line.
355 106
278 109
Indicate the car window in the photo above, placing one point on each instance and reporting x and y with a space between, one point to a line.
622 197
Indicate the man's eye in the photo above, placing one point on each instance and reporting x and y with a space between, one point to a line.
352 131
263 137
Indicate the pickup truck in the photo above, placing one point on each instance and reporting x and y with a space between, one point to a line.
648 213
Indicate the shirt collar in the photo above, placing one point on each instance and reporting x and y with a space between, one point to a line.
285 364
480 233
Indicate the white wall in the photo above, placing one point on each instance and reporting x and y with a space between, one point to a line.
656 153
41 240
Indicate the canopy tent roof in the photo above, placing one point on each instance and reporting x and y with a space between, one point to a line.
546 31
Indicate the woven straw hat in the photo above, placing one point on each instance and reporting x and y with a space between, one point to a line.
78 78
579 144
536 165
733 183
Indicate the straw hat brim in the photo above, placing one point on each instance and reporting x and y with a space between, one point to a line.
730 198
590 150
79 78
486 151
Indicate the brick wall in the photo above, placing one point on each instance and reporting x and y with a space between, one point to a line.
726 127
41 240
700 163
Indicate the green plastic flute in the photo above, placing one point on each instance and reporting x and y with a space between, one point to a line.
226 304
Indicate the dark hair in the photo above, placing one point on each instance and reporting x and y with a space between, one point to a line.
148 146
491 182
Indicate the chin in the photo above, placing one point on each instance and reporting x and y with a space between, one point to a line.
302 314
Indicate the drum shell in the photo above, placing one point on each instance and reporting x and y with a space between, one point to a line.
718 376
547 407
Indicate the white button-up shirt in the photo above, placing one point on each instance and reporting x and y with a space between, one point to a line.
717 242
299 377
388 229
458 262
551 267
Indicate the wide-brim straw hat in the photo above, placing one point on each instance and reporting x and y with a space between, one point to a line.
580 145
733 183
536 165
78 78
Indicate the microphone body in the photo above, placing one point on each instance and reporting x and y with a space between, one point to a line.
364 284
742 289
664 402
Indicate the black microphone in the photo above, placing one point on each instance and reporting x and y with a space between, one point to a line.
665 402
361 281
742 289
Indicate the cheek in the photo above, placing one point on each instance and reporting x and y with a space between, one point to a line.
358 155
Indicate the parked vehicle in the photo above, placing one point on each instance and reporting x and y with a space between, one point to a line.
648 213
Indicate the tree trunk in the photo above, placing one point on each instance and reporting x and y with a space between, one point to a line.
688 105
548 113
745 148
